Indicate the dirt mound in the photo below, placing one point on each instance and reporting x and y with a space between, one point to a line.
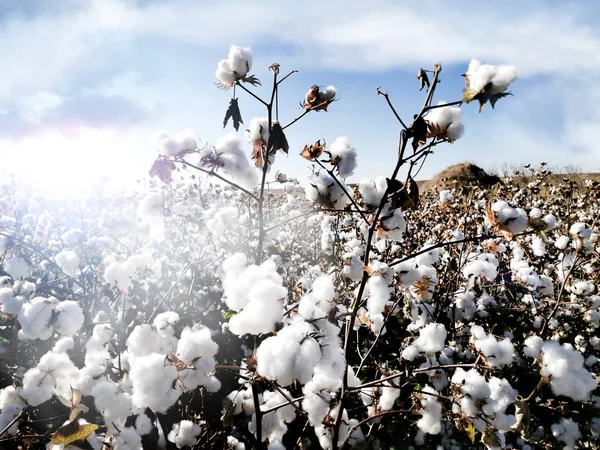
462 174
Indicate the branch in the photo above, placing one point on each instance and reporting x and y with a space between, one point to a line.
252 93
215 174
387 99
284 78
306 111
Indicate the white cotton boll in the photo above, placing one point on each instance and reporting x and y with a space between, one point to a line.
10 396
184 433
16 267
393 226
410 352
7 415
11 304
116 275
378 294
150 207
353 268
114 404
431 338
328 93
448 120
538 246
498 353
535 213
550 221
39 385
258 130
154 383
431 420
73 237
484 265
128 439
343 156
323 189
566 431
67 260
263 311
240 59
69 318
234 444
196 344
496 78
235 162
533 346
63 345
580 230
145 340
34 318
225 73
186 140
562 242
564 366
446 197
372 190
143 424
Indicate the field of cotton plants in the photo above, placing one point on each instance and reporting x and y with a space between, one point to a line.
226 305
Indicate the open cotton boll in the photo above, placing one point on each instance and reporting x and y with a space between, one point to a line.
495 78
497 353
34 318
54 374
431 412
484 265
258 130
566 431
11 304
291 355
154 383
446 197
128 439
67 260
240 59
7 415
445 123
323 189
184 433
17 267
343 156
69 317
564 365
263 311
225 73
372 190
234 161
116 275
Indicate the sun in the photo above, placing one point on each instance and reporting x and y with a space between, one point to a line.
71 164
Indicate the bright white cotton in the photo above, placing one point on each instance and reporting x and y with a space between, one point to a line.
69 317
67 260
235 67
184 433
343 156
495 79
447 120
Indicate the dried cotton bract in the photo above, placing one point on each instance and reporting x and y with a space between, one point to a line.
444 123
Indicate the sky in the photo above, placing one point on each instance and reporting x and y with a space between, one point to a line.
85 84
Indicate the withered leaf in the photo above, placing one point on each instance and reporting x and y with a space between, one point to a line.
400 197
72 432
418 132
233 113
424 79
277 139
163 169
258 148
313 151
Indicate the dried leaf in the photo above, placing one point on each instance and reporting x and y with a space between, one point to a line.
421 287
251 79
523 417
497 226
424 79
403 198
490 439
418 132
313 151
163 169
258 148
72 432
277 139
233 113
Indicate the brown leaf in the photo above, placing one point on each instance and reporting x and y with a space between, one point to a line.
424 79
258 149
403 198
498 227
418 131
316 99
163 169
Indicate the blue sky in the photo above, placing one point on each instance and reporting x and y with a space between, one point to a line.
86 83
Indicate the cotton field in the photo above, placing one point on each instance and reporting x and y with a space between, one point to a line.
222 304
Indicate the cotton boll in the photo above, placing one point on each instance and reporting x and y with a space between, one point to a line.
34 318
114 404
11 304
343 156
234 161
143 424
128 439
566 431
116 275
446 197
225 73
263 311
69 318
324 190
154 383
538 246
240 59
54 374
431 338
431 413
372 191
562 242
445 123
17 267
7 415
184 433
67 260
498 353
258 130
